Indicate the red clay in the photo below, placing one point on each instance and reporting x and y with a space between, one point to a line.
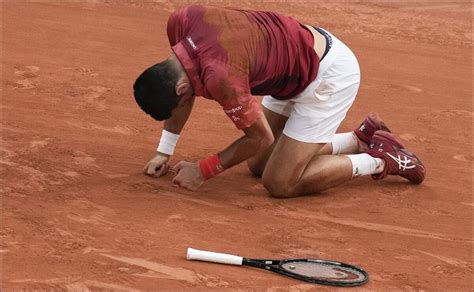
77 213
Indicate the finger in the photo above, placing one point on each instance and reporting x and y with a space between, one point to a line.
178 166
162 170
190 187
151 169
176 180
194 187
145 169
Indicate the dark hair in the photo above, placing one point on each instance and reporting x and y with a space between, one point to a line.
155 90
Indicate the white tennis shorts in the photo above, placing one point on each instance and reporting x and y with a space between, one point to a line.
315 114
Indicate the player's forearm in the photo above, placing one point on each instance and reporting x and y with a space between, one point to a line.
243 149
179 117
258 136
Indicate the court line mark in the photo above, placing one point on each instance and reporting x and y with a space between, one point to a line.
379 227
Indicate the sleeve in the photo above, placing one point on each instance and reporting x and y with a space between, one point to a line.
233 94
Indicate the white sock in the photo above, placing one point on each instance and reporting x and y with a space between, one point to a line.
364 164
345 143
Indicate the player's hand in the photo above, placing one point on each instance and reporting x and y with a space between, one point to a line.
188 175
157 166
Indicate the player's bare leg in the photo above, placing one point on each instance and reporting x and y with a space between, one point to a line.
344 143
293 169
296 168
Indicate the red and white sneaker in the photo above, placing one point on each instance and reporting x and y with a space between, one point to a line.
369 126
398 160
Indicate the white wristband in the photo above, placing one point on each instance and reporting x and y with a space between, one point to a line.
168 142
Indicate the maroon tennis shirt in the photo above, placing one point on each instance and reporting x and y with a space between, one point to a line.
230 55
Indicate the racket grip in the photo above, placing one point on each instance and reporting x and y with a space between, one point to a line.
208 256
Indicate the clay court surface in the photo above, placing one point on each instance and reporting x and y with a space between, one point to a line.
77 213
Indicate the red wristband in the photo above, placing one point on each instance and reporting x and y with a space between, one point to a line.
210 166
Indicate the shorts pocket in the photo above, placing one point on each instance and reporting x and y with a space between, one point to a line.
324 91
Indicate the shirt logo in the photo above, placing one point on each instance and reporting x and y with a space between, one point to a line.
235 118
233 110
191 43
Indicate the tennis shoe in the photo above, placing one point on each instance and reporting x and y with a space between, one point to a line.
369 126
398 160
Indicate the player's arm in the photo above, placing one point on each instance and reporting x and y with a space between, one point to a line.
233 92
173 126
191 175
257 137
247 115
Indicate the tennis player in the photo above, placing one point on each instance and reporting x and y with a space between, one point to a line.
309 80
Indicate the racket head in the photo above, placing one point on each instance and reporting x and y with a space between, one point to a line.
323 272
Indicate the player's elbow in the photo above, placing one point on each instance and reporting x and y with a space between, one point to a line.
262 142
267 140
260 135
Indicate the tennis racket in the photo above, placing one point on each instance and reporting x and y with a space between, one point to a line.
309 270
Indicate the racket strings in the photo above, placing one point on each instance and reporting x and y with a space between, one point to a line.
324 271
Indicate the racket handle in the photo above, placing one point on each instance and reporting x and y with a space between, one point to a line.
208 256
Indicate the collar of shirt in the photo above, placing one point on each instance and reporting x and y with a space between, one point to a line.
190 67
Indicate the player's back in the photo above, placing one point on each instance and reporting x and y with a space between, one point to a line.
274 51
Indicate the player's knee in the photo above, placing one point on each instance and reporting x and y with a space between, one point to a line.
277 189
